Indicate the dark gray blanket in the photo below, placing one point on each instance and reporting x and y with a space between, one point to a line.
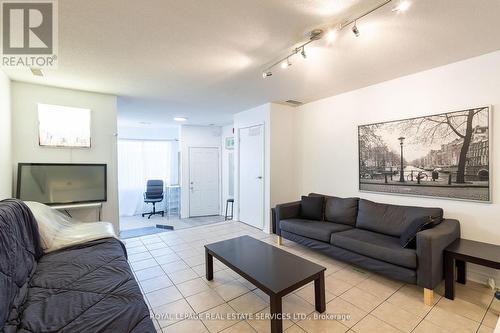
85 288
19 251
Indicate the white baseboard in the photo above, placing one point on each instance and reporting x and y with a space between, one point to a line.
481 274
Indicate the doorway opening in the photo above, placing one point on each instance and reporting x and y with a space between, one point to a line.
145 166
157 163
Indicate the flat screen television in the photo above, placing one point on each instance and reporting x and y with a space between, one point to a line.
56 184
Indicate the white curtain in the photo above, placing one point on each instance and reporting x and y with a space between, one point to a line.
139 161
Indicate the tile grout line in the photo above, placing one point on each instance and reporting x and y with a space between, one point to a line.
370 312
485 314
432 307
268 238
184 298
174 285
226 302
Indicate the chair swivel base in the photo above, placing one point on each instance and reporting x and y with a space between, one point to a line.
154 212
160 212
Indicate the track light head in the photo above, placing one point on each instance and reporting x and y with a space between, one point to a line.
286 63
332 34
316 34
355 30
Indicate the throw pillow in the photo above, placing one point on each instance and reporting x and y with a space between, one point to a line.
408 237
434 221
311 208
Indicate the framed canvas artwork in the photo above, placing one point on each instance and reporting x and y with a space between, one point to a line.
444 155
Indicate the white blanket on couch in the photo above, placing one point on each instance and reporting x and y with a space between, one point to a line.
58 231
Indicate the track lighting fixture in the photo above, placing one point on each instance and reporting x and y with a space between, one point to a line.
355 29
331 35
286 63
267 74
303 53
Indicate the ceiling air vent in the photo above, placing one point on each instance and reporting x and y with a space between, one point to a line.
291 102
36 71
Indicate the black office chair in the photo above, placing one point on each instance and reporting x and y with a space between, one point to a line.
154 194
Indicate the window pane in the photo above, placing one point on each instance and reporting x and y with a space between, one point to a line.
63 126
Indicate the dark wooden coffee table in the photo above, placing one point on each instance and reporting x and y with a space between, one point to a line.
461 251
274 271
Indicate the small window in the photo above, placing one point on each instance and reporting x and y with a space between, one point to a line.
63 126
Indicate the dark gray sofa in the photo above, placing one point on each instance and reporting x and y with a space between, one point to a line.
84 288
367 234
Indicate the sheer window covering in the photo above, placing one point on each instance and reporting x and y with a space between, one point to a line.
139 161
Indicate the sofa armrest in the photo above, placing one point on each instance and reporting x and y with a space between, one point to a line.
430 246
286 211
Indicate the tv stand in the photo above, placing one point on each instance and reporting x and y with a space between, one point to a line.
65 207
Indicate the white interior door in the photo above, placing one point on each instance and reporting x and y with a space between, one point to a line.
204 197
251 174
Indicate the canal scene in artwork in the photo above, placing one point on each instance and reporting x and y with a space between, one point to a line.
444 155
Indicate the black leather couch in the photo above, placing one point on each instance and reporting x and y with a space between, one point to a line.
367 234
84 288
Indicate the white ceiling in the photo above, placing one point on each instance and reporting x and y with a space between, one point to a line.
203 59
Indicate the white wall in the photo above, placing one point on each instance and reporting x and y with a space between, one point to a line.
5 138
194 136
103 130
280 171
283 154
227 132
327 158
148 132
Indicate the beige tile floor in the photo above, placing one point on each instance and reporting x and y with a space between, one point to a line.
170 270
137 221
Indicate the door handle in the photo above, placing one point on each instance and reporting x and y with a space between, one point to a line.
259 177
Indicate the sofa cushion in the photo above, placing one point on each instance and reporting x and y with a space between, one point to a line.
311 208
341 210
391 220
312 229
85 288
375 245
392 271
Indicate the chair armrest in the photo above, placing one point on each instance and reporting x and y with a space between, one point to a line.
286 211
430 246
